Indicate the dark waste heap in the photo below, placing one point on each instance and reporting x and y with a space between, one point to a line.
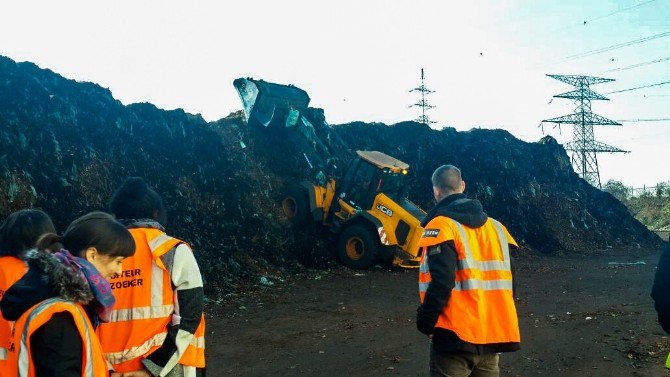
65 146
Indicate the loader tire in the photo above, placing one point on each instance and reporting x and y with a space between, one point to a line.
295 204
357 247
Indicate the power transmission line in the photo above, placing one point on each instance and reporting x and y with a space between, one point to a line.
617 46
639 65
655 95
585 22
645 120
619 11
608 48
639 87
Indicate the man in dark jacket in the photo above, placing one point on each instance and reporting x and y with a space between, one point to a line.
460 243
660 292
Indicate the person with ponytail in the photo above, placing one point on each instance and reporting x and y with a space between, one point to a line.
160 328
62 298
18 233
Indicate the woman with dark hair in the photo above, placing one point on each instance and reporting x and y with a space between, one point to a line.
159 295
61 298
21 230
18 233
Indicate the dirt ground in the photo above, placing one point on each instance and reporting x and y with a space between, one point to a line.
579 316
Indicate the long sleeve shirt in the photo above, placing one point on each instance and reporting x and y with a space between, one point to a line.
189 303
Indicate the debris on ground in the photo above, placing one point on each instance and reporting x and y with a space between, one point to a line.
637 263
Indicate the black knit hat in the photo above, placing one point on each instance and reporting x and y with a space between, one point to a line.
134 199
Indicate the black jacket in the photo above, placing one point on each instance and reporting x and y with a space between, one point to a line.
56 347
442 260
660 292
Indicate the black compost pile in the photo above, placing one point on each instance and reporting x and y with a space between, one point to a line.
531 187
66 145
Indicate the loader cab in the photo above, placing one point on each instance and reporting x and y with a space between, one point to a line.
370 174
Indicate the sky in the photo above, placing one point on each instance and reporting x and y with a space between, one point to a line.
486 60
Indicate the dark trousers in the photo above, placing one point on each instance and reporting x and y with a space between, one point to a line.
463 364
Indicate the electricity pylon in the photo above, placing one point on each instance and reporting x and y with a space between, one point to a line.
584 147
423 104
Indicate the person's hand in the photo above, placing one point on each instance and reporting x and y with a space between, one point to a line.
425 322
137 373
116 374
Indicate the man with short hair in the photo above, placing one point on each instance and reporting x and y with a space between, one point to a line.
465 283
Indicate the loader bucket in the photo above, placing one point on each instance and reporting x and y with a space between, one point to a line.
270 104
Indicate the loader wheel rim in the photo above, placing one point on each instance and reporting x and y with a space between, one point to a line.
290 207
355 248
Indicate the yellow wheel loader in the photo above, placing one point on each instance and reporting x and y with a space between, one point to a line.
366 209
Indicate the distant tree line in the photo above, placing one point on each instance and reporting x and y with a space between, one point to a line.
650 205
623 192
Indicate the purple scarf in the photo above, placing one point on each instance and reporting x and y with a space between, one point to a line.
102 292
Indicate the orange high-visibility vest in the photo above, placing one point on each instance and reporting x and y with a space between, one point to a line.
11 270
481 307
20 362
144 308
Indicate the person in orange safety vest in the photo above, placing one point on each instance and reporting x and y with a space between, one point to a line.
157 326
465 283
18 234
62 297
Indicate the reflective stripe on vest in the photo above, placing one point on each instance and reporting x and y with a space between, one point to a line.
485 285
157 272
135 352
139 321
423 266
3 354
198 342
147 312
470 263
138 351
194 355
481 307
24 363
667 362
156 243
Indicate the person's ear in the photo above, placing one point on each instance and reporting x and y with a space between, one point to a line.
91 253
462 187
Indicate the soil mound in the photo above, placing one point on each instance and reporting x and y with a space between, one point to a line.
66 145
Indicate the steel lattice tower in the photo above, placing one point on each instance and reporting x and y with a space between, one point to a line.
423 104
584 147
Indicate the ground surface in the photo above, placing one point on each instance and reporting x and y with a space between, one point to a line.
579 316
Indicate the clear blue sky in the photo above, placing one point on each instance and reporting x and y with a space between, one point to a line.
358 59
